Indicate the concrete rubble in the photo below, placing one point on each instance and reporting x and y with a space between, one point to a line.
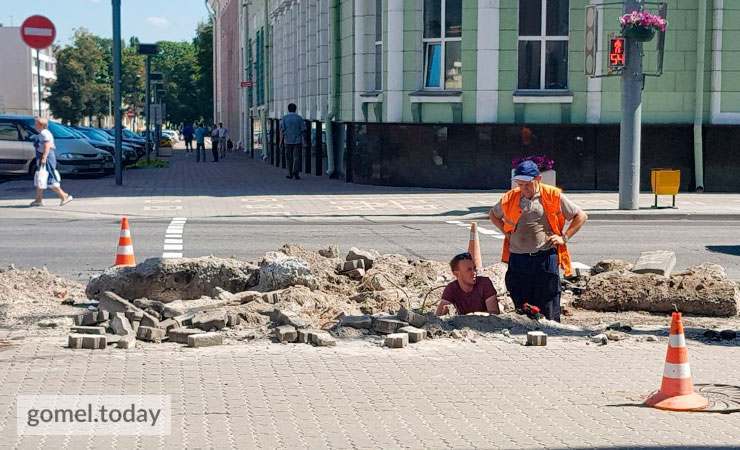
297 295
701 290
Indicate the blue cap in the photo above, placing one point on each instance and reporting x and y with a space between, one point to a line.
526 171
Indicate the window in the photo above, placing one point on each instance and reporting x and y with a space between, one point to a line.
378 80
443 44
543 44
8 132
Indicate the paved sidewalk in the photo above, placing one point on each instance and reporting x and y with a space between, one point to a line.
437 394
239 187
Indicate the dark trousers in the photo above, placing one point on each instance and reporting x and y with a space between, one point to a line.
200 151
214 149
188 143
535 279
293 154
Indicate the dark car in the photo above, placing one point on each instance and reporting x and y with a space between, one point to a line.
129 138
105 142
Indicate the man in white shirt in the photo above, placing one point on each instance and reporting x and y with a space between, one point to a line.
223 136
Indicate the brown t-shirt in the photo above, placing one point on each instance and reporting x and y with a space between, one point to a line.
532 231
473 301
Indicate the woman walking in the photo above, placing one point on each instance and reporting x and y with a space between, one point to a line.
46 165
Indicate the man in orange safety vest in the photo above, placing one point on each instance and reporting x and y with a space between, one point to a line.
533 218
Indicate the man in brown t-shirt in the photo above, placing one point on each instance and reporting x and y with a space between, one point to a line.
469 292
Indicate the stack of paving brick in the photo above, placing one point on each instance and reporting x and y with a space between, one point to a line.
399 330
118 321
291 328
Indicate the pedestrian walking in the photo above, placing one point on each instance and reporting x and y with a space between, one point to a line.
200 142
187 134
214 142
532 217
223 139
46 175
292 136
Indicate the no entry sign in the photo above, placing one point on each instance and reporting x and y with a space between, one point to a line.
38 32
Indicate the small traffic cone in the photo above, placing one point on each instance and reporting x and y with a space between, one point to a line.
677 389
125 253
474 246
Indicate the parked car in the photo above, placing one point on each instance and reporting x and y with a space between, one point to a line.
164 140
104 141
17 154
74 155
172 134
130 138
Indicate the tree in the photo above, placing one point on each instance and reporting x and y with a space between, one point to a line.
83 87
203 43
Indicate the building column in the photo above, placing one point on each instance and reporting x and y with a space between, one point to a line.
593 97
488 58
394 40
360 45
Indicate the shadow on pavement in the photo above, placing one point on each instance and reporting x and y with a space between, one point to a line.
725 249
723 399
236 175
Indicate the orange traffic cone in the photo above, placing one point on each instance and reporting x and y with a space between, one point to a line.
474 246
677 389
125 253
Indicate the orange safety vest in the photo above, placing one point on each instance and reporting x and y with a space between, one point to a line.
550 197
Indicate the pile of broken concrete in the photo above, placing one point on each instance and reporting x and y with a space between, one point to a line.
296 295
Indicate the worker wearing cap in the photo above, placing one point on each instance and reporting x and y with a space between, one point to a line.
533 218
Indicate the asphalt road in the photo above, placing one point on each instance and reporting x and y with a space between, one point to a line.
79 248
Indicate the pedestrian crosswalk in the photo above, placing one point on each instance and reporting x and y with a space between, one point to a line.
481 230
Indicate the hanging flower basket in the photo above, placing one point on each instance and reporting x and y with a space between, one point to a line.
642 25
641 34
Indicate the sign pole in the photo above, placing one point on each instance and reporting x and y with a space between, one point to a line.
117 87
148 112
631 124
38 76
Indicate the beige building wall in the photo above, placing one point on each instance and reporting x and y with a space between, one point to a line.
18 85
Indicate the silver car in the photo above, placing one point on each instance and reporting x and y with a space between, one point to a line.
75 156
16 148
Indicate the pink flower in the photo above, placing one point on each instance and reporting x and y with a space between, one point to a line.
643 19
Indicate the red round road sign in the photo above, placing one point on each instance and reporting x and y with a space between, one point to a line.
38 32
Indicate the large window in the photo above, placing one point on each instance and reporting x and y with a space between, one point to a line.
443 44
378 79
543 44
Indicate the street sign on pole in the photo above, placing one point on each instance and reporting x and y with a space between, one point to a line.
38 32
148 50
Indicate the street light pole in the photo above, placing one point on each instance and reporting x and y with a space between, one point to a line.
38 76
117 87
630 131
148 98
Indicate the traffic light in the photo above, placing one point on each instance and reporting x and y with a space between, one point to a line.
616 54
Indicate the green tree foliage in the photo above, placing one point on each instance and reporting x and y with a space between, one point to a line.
83 88
203 43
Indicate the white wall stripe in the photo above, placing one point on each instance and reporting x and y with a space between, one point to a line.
487 59
173 241
172 247
677 370
171 255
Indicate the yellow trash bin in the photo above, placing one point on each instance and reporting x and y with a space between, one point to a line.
665 182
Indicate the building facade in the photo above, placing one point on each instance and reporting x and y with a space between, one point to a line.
18 81
445 93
